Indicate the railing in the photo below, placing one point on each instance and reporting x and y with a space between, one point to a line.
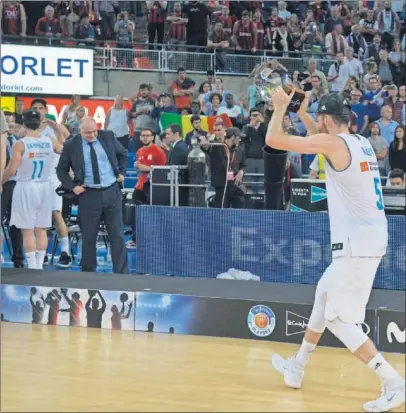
168 58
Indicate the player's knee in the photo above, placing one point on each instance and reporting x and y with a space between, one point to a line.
349 334
317 321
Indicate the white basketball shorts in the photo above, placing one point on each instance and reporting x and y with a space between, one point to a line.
56 199
32 205
347 283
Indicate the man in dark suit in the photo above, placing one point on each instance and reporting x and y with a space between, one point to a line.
180 151
178 156
98 162
16 235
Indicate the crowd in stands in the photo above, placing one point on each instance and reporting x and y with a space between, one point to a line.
244 27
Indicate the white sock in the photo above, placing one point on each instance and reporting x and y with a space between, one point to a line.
40 259
64 243
383 369
302 356
31 260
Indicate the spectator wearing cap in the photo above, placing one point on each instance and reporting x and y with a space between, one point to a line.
387 124
48 26
14 19
218 42
227 165
183 89
197 129
360 110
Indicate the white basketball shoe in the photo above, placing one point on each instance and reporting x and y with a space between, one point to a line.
291 371
392 396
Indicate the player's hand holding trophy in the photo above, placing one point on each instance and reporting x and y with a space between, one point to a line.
272 80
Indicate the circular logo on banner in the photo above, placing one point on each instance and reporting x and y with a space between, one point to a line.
261 320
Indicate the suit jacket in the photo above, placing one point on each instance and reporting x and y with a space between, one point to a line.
178 154
72 158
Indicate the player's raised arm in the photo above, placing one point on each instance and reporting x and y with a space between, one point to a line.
277 139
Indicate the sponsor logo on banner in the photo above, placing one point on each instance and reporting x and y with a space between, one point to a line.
318 194
296 209
46 70
393 331
295 324
261 321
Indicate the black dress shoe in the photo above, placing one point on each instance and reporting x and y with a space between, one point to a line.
19 264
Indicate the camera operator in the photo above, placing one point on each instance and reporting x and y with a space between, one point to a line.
227 182
124 34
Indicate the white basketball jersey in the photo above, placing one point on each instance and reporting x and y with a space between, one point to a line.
355 202
36 162
49 132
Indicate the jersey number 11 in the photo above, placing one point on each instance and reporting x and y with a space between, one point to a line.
38 168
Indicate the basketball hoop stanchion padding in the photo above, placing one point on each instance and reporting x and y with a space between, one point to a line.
274 175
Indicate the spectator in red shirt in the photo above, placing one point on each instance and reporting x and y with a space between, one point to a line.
177 26
148 155
48 26
156 22
13 19
183 90
260 29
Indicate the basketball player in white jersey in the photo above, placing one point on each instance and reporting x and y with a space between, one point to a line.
60 133
359 237
31 210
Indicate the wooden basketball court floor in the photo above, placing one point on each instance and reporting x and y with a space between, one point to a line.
46 369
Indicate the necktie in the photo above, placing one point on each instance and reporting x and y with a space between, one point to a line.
9 146
95 166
